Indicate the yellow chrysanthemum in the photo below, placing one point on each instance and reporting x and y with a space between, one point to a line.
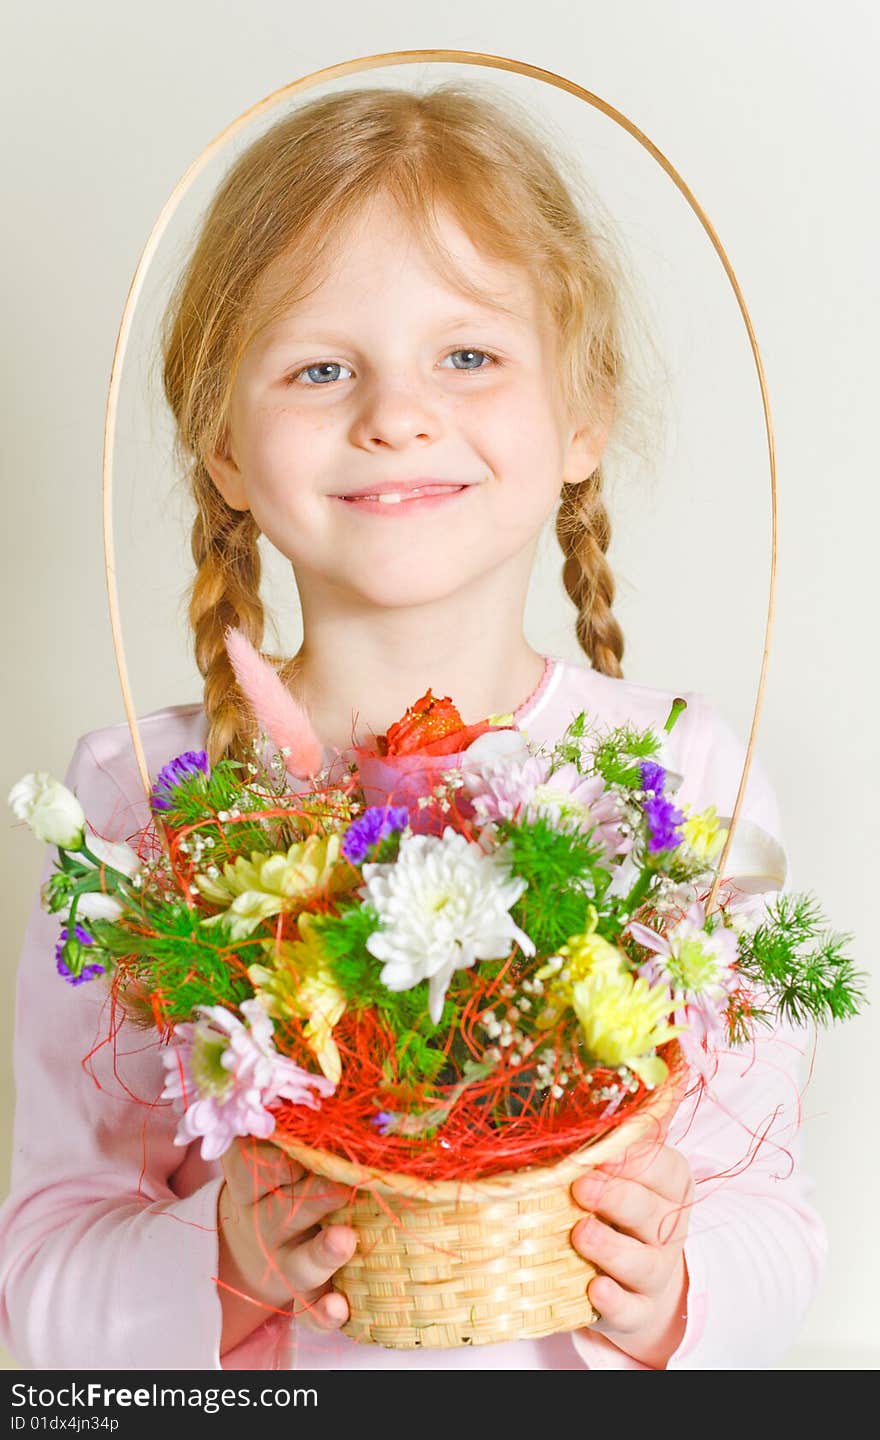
253 889
580 956
703 833
623 1018
300 985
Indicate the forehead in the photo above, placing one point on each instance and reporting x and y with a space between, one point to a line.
378 249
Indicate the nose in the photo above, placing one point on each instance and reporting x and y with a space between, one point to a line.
394 414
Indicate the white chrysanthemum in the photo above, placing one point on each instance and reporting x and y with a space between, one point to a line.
444 903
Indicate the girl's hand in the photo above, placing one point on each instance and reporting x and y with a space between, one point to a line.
272 1249
636 1237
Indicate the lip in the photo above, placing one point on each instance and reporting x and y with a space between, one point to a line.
397 487
402 507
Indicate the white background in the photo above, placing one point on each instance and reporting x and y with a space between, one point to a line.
767 112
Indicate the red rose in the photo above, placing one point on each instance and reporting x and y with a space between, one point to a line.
431 727
409 759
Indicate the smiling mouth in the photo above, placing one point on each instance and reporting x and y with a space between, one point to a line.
398 497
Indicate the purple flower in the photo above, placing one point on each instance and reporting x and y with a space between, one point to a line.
376 822
88 972
384 1121
662 817
174 773
653 776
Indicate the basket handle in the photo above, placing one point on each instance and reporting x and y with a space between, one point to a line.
306 82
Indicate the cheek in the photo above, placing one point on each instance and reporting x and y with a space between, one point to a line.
524 427
278 445
524 452
282 461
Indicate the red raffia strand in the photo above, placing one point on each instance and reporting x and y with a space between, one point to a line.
467 1145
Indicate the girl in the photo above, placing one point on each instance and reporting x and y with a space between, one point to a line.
391 295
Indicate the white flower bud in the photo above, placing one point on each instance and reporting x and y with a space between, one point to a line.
95 906
52 811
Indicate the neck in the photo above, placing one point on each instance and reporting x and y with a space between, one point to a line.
356 677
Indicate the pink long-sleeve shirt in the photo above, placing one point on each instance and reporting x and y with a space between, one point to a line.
108 1238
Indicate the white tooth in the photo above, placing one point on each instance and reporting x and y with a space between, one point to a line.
389 499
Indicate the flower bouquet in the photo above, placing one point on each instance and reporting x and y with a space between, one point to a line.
453 978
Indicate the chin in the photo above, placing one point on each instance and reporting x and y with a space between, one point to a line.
394 589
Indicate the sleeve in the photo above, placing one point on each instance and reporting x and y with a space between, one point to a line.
102 1265
756 1248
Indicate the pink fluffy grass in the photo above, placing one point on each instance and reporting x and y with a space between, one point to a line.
283 718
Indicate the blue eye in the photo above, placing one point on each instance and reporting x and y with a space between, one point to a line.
469 350
323 365
335 365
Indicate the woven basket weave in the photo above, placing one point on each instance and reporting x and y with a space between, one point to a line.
447 1263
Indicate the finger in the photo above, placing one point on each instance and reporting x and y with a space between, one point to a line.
309 1264
661 1168
299 1269
620 1311
290 1210
327 1311
634 1209
254 1168
643 1269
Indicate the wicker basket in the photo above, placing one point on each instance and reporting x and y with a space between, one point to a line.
446 1263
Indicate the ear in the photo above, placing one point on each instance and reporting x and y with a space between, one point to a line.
586 446
226 475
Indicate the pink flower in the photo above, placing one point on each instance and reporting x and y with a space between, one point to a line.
236 1073
508 786
699 968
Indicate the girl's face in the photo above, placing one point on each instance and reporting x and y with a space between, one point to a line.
386 374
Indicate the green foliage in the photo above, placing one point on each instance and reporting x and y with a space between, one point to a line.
617 758
60 889
566 871
386 850
742 1016
198 799
246 837
569 749
819 982
405 1012
420 1056
344 940
178 959
198 796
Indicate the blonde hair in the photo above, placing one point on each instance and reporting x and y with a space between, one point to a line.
457 146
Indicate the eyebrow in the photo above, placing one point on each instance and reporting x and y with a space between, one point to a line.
487 310
480 314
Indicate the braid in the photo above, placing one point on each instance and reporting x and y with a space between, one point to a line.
224 592
584 531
